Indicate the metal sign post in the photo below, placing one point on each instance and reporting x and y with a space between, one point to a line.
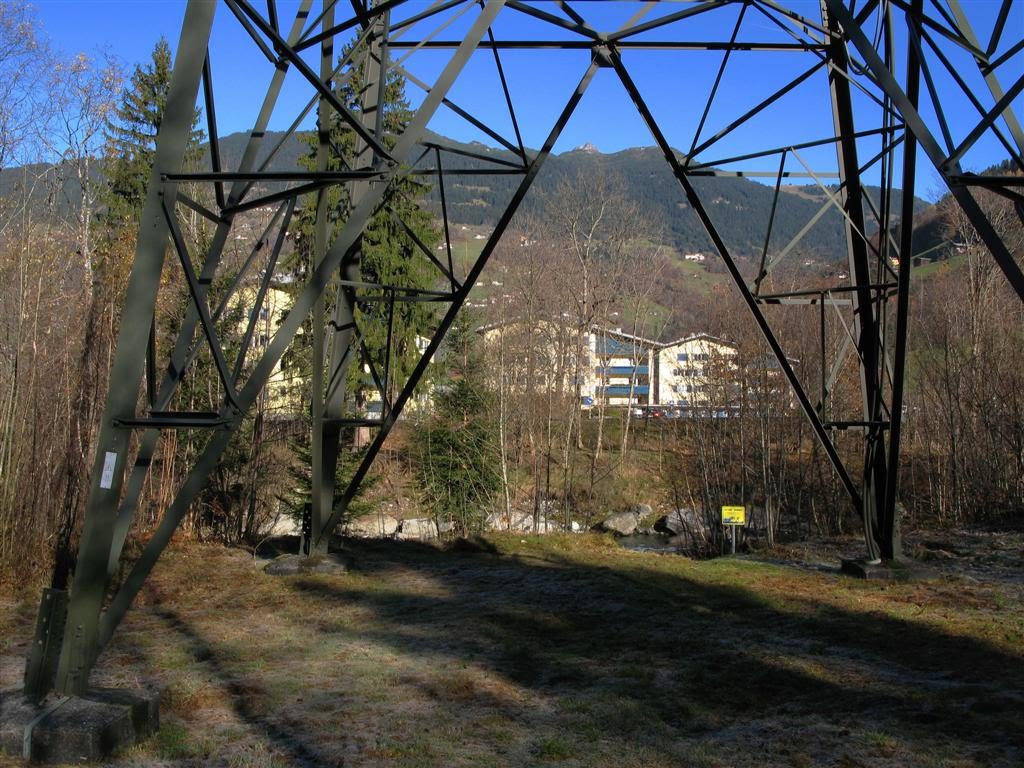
734 517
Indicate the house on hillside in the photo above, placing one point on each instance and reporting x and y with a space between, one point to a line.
607 364
531 357
286 394
422 400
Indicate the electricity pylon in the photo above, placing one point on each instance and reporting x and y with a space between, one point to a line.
895 82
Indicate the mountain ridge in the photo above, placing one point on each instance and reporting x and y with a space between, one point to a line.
738 206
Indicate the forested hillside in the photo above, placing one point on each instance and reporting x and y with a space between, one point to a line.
739 207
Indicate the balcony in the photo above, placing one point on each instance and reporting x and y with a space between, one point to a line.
625 391
605 347
624 370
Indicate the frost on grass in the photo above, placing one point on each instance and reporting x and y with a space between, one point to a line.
564 651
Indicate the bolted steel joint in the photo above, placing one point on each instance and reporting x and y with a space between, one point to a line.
603 56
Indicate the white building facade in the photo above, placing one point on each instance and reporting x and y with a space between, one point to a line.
618 369
689 371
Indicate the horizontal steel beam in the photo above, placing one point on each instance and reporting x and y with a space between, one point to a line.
583 45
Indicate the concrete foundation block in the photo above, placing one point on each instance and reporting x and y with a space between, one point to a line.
76 729
900 570
295 565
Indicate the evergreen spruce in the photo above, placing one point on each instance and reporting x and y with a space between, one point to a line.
299 495
456 447
389 255
131 139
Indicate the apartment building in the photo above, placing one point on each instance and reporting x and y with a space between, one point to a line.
619 368
616 369
283 396
690 368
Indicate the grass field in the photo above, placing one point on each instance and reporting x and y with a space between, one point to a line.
700 279
563 651
937 268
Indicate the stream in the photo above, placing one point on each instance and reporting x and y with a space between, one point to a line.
648 542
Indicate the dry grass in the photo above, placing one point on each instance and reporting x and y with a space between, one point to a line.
564 651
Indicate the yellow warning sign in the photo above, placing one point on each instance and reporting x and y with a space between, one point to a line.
734 515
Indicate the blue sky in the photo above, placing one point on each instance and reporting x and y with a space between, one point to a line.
676 85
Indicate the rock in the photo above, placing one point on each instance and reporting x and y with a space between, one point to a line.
670 523
285 525
372 526
419 528
684 522
496 521
576 527
520 522
643 511
624 524
546 526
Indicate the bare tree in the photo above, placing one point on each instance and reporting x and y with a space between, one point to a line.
82 93
597 227
23 106
966 415
22 62
640 273
594 223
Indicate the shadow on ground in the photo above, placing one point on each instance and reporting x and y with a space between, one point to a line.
470 657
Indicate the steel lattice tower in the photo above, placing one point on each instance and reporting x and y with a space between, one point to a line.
888 74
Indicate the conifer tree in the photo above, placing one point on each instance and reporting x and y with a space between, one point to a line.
389 255
456 447
131 138
297 495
